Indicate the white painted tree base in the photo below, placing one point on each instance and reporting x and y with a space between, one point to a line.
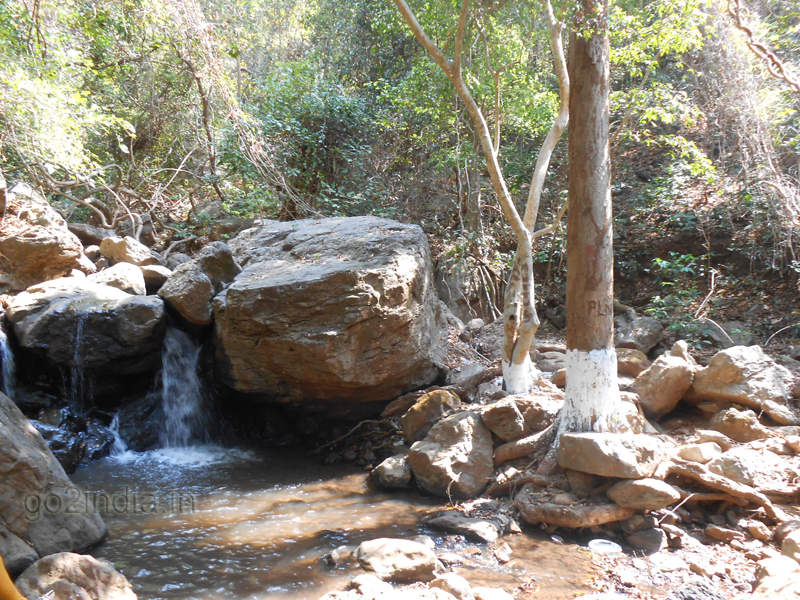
519 379
591 398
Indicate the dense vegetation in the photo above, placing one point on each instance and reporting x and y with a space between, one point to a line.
173 113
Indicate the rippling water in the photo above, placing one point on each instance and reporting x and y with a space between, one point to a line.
206 523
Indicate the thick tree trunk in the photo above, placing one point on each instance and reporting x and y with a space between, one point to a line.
592 396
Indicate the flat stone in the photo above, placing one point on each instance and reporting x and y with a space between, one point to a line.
476 530
611 455
397 560
723 534
643 494
533 511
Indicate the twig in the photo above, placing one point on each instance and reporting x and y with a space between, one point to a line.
351 432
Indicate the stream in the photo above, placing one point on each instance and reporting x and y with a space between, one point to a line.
207 523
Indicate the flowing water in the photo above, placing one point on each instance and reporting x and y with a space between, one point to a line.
77 383
206 523
9 371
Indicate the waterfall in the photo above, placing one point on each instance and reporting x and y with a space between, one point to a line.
9 371
181 390
76 387
120 447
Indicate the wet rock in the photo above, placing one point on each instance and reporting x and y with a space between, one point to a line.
455 585
426 412
89 235
700 453
154 277
455 458
643 494
35 243
401 561
649 540
486 593
611 455
330 314
631 362
662 386
123 276
128 250
68 447
742 426
392 473
641 333
31 477
476 530
74 576
140 423
746 376
119 333
504 419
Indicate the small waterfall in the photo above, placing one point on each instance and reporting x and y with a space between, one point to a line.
9 369
120 447
181 390
76 384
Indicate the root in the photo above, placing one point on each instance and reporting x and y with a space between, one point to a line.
717 482
524 446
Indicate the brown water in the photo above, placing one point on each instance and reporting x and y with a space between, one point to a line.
207 523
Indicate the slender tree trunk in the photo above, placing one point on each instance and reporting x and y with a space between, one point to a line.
592 396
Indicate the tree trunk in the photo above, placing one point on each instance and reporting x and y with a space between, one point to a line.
592 396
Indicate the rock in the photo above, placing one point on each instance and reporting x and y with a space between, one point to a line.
723 534
777 579
610 454
464 373
486 593
455 585
739 464
631 362
216 261
490 340
758 530
92 253
534 511
401 561
140 422
784 529
662 386
475 530
791 545
154 277
127 250
504 419
746 376
643 494
565 499
680 349
638 523
34 494
190 292
700 453
426 412
649 540
35 243
551 361
205 211
330 314
540 407
224 229
475 326
89 235
369 586
74 577
85 267
455 458
581 483
123 276
176 259
560 378
642 333
698 589
702 436
392 473
742 426
119 333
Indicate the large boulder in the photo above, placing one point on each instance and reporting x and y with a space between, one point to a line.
330 314
34 495
100 327
640 333
35 243
455 458
74 577
746 375
663 384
